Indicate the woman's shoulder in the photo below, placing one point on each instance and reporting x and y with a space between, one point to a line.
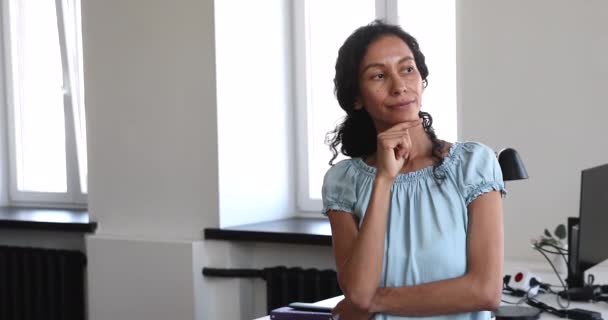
477 171
343 167
473 159
473 150
470 156
347 172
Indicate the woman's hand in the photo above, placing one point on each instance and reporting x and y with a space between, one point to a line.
345 310
393 148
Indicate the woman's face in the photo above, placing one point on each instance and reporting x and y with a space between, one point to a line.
389 82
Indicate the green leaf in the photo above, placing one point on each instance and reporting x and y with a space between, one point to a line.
548 234
560 231
547 241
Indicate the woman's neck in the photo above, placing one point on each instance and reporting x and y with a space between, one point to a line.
422 146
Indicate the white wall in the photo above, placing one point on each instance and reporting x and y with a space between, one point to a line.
150 99
149 70
254 90
136 280
533 76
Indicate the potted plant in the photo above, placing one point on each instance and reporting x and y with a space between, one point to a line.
554 243
557 238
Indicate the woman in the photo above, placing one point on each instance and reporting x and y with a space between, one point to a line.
416 221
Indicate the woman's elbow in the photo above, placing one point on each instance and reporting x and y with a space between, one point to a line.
359 297
361 302
489 297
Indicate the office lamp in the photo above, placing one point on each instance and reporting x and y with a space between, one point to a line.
511 165
513 169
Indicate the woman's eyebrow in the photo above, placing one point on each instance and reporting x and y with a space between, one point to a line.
380 65
372 65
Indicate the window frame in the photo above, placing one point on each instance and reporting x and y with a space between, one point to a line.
301 94
74 197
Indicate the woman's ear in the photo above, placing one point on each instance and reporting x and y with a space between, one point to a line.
358 105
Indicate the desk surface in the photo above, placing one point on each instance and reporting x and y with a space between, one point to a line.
546 274
543 270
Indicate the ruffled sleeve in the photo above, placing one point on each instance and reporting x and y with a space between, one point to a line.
339 188
478 172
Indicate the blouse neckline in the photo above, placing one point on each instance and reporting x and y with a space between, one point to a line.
414 175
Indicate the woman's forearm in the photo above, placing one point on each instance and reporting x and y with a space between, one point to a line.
464 294
361 272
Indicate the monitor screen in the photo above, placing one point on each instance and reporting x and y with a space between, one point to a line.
593 224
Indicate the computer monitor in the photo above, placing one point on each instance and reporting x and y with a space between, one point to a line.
588 234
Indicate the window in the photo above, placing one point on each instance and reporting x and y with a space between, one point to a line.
320 29
439 47
45 102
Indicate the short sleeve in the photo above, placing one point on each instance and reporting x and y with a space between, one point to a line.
339 188
479 171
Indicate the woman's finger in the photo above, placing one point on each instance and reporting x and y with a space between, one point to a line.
392 133
391 143
405 145
405 125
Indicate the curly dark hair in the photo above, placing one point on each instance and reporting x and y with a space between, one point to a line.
357 134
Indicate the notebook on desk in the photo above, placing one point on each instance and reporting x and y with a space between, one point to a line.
288 313
306 311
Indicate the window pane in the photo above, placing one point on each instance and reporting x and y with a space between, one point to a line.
38 99
329 26
438 43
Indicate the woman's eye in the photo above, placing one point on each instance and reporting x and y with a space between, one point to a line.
378 76
408 69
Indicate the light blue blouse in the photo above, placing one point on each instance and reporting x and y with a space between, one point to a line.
427 223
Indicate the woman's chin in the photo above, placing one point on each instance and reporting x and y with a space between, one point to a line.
406 118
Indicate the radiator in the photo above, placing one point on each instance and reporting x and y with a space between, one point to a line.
41 284
285 285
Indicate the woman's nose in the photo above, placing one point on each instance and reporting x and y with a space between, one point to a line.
399 86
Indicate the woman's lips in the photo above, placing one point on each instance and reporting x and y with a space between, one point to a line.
402 105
